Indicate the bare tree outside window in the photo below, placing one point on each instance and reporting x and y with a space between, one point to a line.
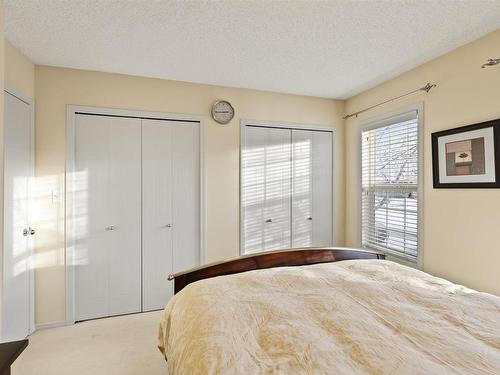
389 181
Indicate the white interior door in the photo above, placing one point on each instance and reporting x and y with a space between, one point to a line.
171 205
322 189
266 189
277 207
17 296
286 188
312 170
107 216
302 188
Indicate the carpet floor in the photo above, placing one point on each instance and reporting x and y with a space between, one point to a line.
124 345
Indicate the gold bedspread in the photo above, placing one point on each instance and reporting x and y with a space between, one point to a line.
349 317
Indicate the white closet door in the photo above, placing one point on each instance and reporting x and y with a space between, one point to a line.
286 188
266 184
253 166
186 195
277 208
171 205
302 188
312 188
16 317
108 216
322 189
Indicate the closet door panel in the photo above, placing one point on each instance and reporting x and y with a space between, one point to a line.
157 213
302 188
107 216
125 216
253 189
91 217
322 189
186 195
277 189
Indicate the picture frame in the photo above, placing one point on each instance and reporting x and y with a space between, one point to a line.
467 156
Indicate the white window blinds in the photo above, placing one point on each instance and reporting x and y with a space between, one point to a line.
390 215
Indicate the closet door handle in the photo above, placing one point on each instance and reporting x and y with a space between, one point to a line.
168 226
269 220
309 218
111 227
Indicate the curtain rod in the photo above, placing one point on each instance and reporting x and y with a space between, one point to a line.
426 88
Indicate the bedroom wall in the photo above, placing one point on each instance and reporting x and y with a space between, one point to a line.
58 87
2 65
19 71
461 237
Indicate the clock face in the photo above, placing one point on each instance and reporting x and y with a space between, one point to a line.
222 112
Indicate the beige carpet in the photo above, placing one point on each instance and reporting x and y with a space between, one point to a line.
122 345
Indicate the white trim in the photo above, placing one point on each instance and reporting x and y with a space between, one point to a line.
284 125
71 112
382 120
29 101
51 325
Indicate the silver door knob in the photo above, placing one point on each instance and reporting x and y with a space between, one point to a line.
32 231
25 232
168 226
309 218
269 220
111 227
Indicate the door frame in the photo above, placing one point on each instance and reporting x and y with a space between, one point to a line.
8 89
69 183
292 126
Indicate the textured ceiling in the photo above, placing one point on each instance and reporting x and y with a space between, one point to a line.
333 49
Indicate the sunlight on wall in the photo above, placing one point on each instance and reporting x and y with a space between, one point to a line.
48 221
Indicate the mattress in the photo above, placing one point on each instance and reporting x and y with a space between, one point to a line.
348 317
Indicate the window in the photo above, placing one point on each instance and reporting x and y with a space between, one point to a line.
390 178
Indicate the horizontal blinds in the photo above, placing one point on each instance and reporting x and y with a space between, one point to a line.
389 185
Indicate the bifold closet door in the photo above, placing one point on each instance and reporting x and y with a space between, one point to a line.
170 205
266 187
107 218
312 170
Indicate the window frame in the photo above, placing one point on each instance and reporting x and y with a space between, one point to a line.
386 119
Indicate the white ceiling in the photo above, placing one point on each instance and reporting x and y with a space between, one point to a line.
333 49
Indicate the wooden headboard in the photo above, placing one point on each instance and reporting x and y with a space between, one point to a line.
279 258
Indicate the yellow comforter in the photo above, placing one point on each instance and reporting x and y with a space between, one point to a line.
350 317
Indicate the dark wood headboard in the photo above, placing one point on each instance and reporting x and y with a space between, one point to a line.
280 258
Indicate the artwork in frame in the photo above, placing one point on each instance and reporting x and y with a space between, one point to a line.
467 157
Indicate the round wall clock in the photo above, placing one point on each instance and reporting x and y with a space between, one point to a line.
222 112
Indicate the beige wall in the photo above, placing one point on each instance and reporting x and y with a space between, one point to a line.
57 87
461 227
19 72
1 154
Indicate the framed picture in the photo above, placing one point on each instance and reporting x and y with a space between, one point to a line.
467 157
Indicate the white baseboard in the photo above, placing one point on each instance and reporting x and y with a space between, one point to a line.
39 327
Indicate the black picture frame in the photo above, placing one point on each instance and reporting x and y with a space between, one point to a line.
495 124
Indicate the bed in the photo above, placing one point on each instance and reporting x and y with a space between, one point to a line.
326 311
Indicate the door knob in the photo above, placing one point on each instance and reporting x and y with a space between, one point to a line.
32 231
111 227
269 220
168 226
309 218
25 232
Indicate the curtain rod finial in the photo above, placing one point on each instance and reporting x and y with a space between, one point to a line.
428 87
